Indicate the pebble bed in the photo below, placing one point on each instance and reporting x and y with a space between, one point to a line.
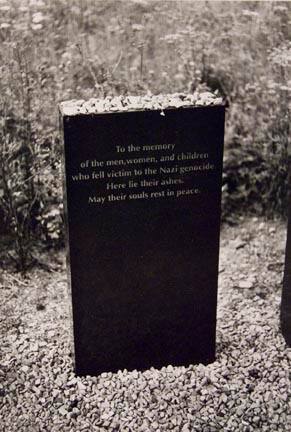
139 103
246 389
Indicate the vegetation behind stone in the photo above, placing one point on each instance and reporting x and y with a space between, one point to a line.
59 50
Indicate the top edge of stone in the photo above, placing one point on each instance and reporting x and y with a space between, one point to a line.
112 104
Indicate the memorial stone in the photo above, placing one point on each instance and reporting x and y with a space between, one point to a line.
286 292
142 200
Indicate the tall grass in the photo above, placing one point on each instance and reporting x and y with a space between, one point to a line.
59 49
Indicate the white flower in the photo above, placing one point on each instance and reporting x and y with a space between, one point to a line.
38 17
4 26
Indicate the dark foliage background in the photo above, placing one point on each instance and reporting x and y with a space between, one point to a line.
56 50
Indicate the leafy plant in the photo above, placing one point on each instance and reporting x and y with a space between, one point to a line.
58 50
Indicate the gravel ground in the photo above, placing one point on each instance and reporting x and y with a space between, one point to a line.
246 389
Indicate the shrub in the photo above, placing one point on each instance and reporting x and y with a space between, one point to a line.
58 50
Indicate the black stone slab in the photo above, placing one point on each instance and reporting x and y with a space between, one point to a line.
286 292
143 268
